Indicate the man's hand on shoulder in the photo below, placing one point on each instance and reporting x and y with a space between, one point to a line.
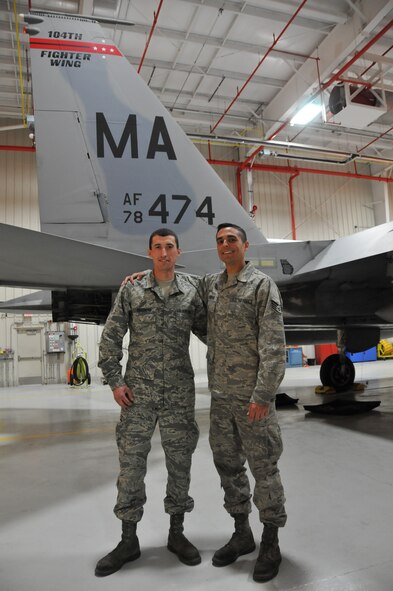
123 395
131 278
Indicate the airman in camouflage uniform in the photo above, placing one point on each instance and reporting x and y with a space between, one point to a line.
246 363
159 312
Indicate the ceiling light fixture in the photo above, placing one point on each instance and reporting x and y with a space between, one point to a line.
307 113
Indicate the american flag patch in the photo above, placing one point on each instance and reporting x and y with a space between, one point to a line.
276 307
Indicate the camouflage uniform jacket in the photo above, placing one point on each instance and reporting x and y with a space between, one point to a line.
159 332
246 341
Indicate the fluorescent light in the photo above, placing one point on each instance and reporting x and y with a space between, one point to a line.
306 113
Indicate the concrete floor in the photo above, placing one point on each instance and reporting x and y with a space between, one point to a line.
58 466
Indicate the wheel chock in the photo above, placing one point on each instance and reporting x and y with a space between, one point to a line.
325 390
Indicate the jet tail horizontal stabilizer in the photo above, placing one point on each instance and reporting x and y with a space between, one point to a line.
43 261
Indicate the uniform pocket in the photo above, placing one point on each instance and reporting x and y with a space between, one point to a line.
274 441
143 319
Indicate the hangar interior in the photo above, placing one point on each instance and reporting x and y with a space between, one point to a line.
233 73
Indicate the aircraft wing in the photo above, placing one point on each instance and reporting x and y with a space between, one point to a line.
350 250
38 302
37 260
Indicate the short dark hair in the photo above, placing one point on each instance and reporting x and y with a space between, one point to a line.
163 232
242 232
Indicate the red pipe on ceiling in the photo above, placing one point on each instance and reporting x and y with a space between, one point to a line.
239 186
356 56
356 82
327 84
150 35
292 204
373 64
299 169
258 65
374 140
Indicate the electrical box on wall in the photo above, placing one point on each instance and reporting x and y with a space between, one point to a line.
54 341
357 107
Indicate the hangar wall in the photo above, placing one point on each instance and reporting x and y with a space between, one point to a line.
325 207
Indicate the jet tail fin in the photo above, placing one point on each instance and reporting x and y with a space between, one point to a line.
113 164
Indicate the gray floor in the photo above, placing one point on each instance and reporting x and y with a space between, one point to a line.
59 466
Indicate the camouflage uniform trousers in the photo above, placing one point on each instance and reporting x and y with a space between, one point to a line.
233 440
174 412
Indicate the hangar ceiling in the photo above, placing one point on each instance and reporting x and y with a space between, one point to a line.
234 69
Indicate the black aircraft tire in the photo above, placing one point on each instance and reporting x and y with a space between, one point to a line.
333 374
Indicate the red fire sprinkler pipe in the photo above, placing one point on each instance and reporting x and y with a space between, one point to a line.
291 203
258 65
354 59
150 35
374 140
239 185
373 63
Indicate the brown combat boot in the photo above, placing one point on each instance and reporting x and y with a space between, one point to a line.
241 542
178 543
269 558
126 551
